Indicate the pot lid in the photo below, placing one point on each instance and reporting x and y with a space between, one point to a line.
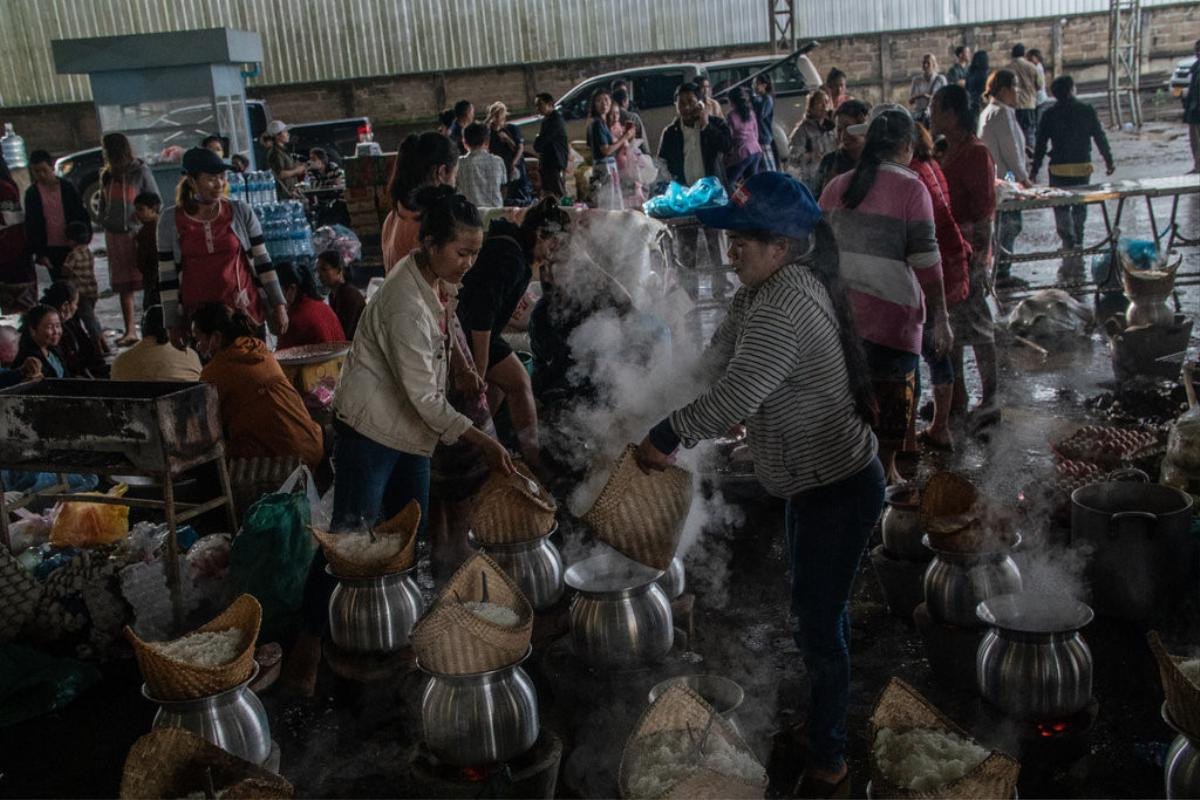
609 573
1034 612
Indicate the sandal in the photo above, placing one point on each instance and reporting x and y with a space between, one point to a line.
926 439
815 787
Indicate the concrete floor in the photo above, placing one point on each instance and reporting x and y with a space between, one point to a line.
358 741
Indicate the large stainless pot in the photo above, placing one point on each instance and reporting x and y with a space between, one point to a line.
1181 767
674 580
233 720
902 524
1142 550
724 695
374 615
1032 663
620 617
536 566
956 583
483 718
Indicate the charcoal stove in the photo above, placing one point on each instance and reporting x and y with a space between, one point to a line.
533 774
158 430
1054 742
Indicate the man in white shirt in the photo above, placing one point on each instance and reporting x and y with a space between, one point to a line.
923 88
481 175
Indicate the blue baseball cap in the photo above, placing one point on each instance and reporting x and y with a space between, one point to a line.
768 201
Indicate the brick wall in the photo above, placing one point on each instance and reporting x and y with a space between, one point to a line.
876 64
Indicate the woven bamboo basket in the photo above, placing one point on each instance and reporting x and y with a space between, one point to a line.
642 515
902 708
402 528
1183 696
680 709
949 506
172 762
169 679
452 640
508 510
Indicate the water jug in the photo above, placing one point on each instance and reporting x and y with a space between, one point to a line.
13 147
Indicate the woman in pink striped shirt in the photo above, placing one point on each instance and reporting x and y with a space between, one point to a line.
882 217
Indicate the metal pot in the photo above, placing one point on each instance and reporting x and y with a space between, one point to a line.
536 566
1142 548
620 617
724 695
233 720
1032 663
956 583
674 580
482 718
902 523
1181 767
374 615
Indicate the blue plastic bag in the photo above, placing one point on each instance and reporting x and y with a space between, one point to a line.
680 201
1142 254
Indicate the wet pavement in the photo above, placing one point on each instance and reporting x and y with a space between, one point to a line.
360 740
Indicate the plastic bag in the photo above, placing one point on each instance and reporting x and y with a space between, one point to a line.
680 201
1142 254
646 169
339 238
33 683
271 555
82 524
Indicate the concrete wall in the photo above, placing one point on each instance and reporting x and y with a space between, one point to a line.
878 65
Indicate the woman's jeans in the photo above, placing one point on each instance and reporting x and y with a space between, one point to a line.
827 530
372 483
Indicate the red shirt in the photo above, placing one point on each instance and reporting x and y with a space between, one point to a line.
311 322
213 268
971 177
956 253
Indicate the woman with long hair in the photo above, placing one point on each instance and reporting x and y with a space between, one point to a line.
786 362
81 353
883 219
977 77
746 155
211 250
606 178
41 334
763 98
121 181
811 139
18 278
426 159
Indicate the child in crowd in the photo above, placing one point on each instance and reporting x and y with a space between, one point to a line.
322 172
147 206
79 270
344 297
481 175
239 162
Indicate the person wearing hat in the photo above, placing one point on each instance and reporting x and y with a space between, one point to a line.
206 245
786 362
281 161
882 215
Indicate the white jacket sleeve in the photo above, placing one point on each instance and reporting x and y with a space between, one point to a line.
412 355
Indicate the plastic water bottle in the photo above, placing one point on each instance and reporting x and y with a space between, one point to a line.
233 181
13 147
259 194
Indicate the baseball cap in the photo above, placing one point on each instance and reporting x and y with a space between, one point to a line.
201 159
276 127
880 108
768 201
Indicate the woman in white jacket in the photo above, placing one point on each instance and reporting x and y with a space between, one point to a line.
999 130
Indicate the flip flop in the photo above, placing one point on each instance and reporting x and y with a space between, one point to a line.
926 439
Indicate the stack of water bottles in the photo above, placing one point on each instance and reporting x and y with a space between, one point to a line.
284 224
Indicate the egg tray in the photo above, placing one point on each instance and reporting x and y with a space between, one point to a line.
1106 446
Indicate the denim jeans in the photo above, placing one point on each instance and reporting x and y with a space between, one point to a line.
827 530
1070 220
372 482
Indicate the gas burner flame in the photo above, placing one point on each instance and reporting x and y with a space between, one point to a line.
1048 730
474 774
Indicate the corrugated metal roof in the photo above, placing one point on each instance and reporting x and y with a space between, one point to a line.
324 40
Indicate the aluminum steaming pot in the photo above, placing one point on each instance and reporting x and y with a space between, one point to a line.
724 695
674 580
620 617
1142 544
483 718
374 615
1032 663
233 720
902 524
536 566
956 583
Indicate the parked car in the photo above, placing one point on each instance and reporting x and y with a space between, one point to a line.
1178 82
338 137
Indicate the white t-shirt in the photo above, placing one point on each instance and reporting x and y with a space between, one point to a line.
922 86
1042 97
693 156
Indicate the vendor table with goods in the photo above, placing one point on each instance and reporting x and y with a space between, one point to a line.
1012 198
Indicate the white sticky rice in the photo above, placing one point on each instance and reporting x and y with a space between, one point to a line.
203 649
662 762
499 615
921 759
1191 670
358 548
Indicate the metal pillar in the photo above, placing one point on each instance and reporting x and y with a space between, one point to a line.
1124 61
783 25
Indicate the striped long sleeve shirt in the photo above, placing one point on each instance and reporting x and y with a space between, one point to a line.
888 249
779 368
245 227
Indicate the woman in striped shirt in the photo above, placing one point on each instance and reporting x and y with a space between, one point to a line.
883 219
787 363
